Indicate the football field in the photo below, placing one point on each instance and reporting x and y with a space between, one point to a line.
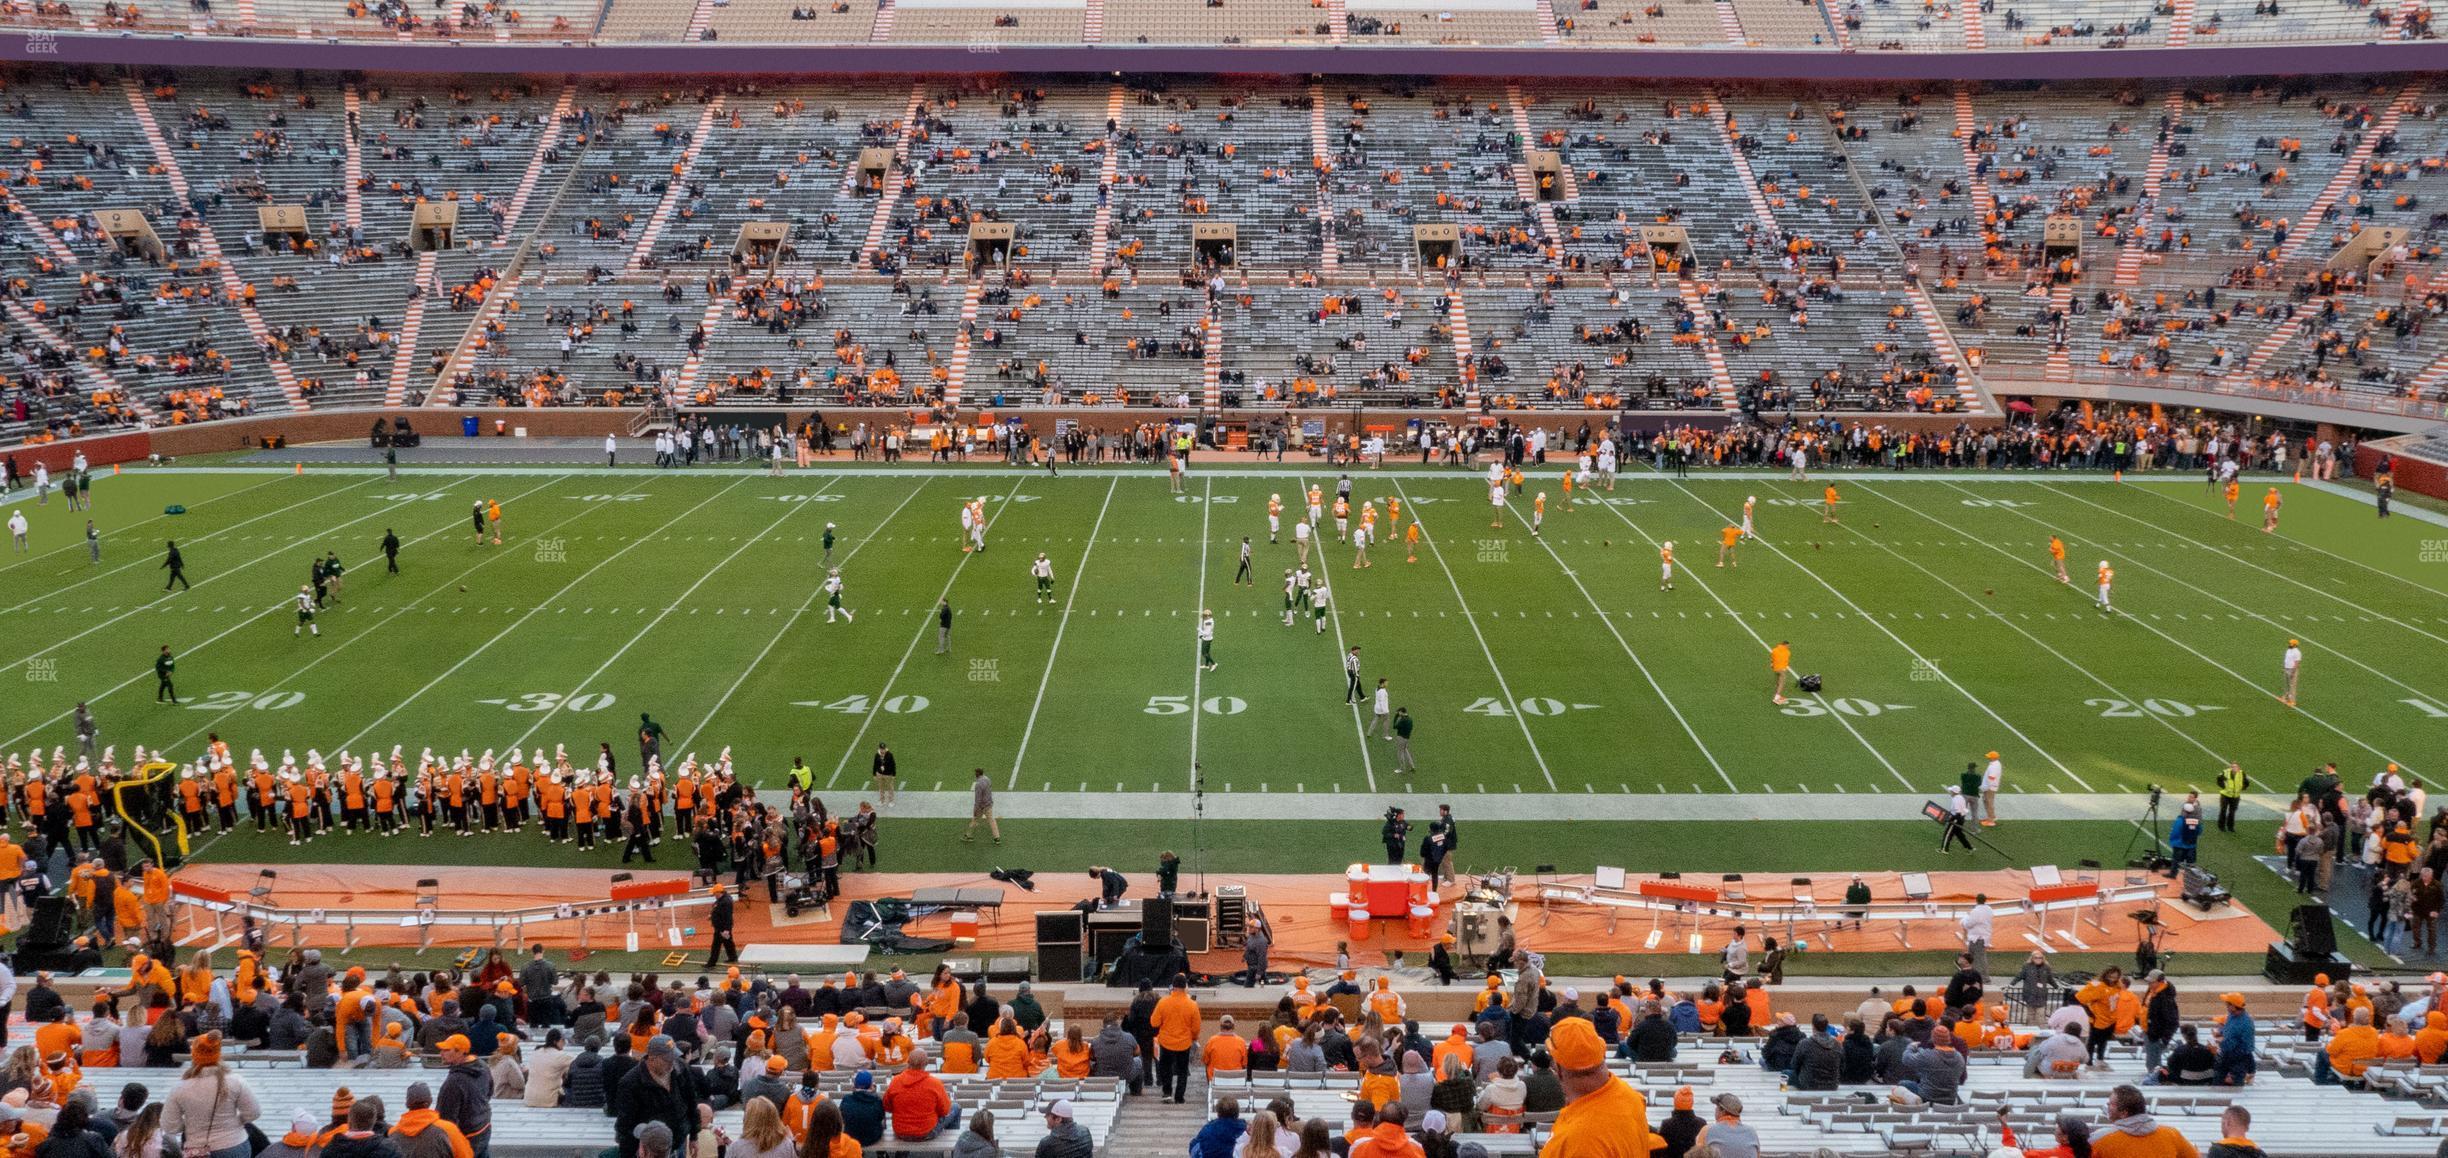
1530 664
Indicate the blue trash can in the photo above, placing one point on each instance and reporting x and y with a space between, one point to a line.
467 425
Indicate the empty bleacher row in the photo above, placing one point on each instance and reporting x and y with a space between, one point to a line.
611 196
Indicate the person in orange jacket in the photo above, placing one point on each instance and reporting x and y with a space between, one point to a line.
1176 1022
1226 1052
2350 1052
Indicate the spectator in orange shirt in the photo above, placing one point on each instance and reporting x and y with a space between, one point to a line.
1226 1051
1176 1022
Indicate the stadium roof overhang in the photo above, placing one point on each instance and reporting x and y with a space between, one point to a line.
2277 59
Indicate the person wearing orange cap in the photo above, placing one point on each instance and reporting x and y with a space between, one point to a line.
2316 1018
1680 1132
1603 1117
1385 1003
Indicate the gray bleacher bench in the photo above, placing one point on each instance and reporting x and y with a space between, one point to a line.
2418 1124
1524 1145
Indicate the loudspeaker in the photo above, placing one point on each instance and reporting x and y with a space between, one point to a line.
1156 922
1058 925
2309 931
1192 933
53 922
1059 961
2285 966
1106 941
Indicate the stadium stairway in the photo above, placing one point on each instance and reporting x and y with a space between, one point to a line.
211 247
412 324
1152 1125
677 185
2349 174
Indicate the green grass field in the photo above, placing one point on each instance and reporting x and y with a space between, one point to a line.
1532 665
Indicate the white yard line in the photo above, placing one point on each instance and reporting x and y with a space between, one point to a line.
255 558
2087 673
814 590
1430 538
216 637
206 537
2359 608
1029 730
1198 703
2247 681
925 623
114 534
1739 621
532 612
1909 649
1334 611
367 632
545 716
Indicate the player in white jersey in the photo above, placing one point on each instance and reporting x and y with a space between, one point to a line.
833 597
1206 638
1317 604
1292 589
1749 501
305 612
1043 571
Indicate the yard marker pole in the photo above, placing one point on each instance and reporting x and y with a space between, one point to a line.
1060 625
1511 704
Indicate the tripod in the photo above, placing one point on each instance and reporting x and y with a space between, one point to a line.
2149 826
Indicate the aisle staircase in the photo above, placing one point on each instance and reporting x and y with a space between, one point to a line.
956 375
403 358
1110 170
232 285
677 186
535 166
1321 166
2307 226
95 377
352 164
1721 377
890 196
1967 126
2129 256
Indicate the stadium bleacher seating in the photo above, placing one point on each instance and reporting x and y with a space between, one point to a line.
1853 222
